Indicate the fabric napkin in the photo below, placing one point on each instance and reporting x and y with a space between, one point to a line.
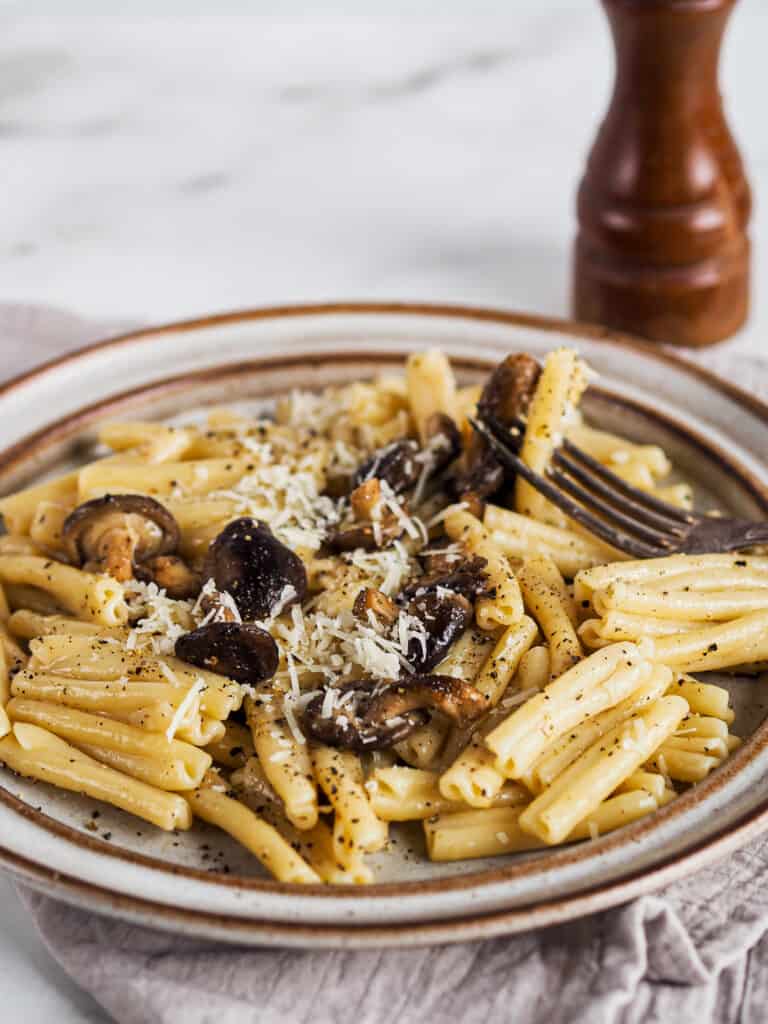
697 950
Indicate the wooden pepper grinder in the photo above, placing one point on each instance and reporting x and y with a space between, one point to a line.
663 207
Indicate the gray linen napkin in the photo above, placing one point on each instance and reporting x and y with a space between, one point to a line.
697 950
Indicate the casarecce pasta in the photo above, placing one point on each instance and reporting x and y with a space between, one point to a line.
307 629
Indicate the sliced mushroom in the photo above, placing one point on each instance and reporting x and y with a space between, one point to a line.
371 600
442 555
443 441
344 723
467 578
115 533
509 389
378 527
218 606
396 464
257 569
443 619
381 715
172 574
458 700
506 396
239 650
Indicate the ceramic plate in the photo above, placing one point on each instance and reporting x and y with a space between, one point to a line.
200 883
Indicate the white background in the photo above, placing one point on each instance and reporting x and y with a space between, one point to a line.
154 168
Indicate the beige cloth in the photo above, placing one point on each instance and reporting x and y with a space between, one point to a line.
696 951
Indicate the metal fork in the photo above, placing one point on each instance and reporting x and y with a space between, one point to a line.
622 515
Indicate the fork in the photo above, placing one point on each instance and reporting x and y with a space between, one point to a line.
623 516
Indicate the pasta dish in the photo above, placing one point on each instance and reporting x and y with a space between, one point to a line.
305 626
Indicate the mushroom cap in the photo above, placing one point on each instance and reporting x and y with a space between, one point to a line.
506 396
365 535
443 440
467 577
396 463
384 714
457 699
510 387
347 727
238 650
249 562
155 530
444 618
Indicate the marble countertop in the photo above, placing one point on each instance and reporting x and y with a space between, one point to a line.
163 167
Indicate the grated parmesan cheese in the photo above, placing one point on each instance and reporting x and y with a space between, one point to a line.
184 707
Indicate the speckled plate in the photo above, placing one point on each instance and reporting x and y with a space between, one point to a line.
199 883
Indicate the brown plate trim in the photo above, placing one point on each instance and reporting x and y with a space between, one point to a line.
476 927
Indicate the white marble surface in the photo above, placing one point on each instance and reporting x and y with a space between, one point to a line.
158 168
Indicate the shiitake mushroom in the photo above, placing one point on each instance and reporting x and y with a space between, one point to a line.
239 650
382 714
396 464
444 619
120 533
467 577
257 569
346 725
506 396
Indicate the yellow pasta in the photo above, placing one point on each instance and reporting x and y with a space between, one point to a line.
517 536
97 598
682 765
617 625
545 569
196 477
594 684
650 782
501 664
423 746
284 760
558 391
94 699
473 776
548 607
431 387
213 805
489 833
81 727
233 748
589 780
84 657
5 679
410 794
356 827
533 670
155 441
46 526
18 510
656 571
712 648
707 606
505 606
703 698
564 750
38 754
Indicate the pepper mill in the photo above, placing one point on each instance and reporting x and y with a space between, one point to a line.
662 248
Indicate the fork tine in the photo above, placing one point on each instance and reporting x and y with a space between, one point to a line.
616 538
592 500
639 513
627 497
628 490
